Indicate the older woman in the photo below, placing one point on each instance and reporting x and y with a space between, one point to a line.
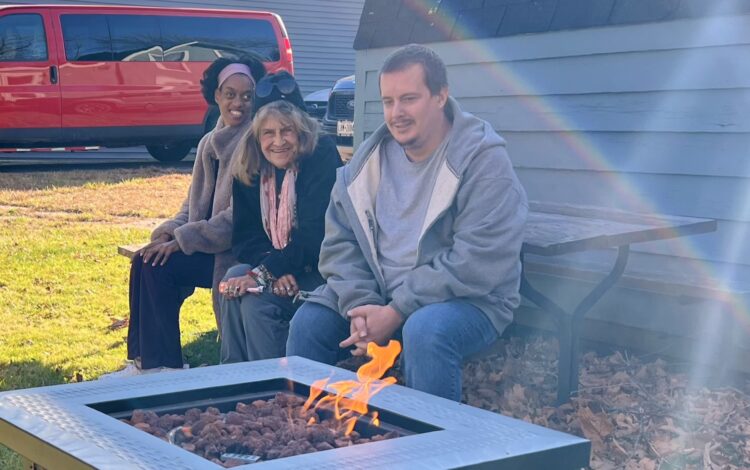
193 248
283 179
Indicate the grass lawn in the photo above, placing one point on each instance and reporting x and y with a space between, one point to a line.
63 288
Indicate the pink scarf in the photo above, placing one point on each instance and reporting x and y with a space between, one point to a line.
278 221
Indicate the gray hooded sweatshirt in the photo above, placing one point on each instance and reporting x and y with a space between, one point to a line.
469 243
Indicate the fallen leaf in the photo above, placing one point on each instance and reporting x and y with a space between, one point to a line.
118 324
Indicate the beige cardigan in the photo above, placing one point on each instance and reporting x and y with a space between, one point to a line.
193 228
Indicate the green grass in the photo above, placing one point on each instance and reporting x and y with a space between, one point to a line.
63 285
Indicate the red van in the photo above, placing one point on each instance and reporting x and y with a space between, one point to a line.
120 76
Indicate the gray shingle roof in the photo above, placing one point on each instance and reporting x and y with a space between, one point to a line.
387 23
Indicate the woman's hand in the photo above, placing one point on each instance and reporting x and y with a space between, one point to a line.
235 287
160 252
285 286
163 238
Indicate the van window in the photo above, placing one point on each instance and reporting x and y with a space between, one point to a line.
22 38
86 37
135 38
196 39
167 38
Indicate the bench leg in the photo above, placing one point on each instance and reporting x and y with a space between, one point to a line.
563 322
569 325
567 369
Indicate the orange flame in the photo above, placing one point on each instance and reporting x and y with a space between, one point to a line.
316 389
351 396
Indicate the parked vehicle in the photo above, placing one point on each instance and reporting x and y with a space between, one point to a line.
339 118
120 76
317 102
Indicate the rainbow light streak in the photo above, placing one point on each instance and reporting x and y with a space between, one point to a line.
477 51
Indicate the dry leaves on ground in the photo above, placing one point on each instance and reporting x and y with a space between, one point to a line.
637 415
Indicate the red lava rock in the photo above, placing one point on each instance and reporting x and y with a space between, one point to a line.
342 442
324 446
268 429
234 418
143 426
192 415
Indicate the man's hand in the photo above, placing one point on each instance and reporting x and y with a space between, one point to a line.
371 323
236 286
358 330
160 252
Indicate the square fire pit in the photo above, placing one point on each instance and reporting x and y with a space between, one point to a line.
77 425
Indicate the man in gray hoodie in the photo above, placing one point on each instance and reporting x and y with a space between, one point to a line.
423 235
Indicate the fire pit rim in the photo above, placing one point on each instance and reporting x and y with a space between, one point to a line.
100 441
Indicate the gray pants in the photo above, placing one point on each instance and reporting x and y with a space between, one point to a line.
256 327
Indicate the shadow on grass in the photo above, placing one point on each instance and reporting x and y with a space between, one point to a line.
26 374
202 351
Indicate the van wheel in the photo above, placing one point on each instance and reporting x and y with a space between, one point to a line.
173 152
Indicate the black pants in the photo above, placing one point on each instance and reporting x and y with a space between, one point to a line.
156 295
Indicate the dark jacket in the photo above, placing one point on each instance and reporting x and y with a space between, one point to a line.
251 245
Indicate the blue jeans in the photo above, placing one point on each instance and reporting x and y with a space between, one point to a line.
436 340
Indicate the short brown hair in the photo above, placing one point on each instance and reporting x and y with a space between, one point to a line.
435 73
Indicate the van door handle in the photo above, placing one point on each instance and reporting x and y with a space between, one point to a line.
53 74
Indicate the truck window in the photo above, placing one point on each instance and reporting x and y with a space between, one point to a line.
22 38
86 37
204 39
135 38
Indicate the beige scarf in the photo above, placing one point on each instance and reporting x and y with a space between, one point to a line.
278 219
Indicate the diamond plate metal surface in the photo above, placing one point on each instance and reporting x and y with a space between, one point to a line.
58 417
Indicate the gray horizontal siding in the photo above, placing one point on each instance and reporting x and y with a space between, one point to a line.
713 67
648 117
698 153
321 31
667 111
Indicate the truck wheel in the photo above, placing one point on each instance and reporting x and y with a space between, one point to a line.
173 152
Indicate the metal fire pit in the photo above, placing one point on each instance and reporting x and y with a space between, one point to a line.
75 425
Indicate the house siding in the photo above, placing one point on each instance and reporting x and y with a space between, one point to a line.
645 117
322 31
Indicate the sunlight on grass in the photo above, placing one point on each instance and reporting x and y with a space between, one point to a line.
143 192
63 285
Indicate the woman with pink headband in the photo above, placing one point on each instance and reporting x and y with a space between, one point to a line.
193 249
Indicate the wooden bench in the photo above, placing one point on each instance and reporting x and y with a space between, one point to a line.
681 285
129 251
558 229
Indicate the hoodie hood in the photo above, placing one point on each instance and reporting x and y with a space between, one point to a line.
469 136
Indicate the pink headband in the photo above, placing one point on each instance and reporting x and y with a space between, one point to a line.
232 69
